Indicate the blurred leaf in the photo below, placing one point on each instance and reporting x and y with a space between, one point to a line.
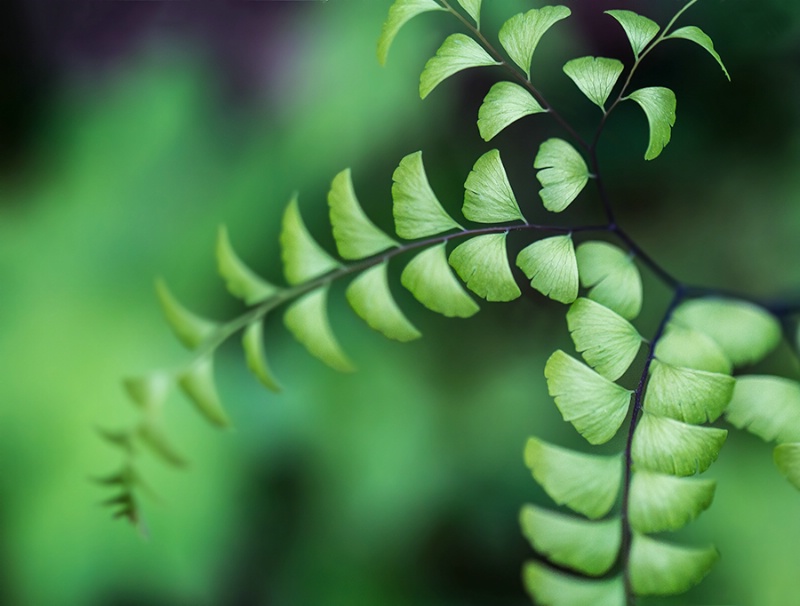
488 197
551 588
685 394
768 407
190 328
399 14
417 211
659 105
198 384
787 458
640 30
670 446
505 103
690 348
585 546
520 35
241 281
429 278
120 438
611 277
658 568
153 437
563 174
482 263
607 341
355 234
303 259
253 343
594 76
370 297
551 267
587 484
744 331
660 502
307 320
458 52
148 392
699 37
593 404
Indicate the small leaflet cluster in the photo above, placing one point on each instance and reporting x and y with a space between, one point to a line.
603 552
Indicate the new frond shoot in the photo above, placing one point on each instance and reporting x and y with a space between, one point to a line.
663 419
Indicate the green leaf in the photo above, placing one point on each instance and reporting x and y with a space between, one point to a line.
550 588
458 52
307 320
658 568
370 297
787 458
488 196
744 331
505 103
587 484
670 446
242 282
430 279
588 547
118 438
689 348
640 30
563 174
198 384
303 259
611 277
593 404
660 502
152 436
482 263
551 267
148 392
520 35
399 14
684 394
417 211
698 36
253 344
355 234
190 328
606 340
659 105
594 76
473 8
768 407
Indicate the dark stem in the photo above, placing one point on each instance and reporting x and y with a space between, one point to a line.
260 310
638 399
645 258
518 75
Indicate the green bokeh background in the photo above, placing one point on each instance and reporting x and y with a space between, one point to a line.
399 484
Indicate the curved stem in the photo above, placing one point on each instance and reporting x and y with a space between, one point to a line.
225 331
518 75
660 38
651 263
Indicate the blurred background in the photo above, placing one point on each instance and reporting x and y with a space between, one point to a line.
130 130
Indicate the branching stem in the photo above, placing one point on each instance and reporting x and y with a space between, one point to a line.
518 75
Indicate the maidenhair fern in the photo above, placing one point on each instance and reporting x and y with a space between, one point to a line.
669 423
